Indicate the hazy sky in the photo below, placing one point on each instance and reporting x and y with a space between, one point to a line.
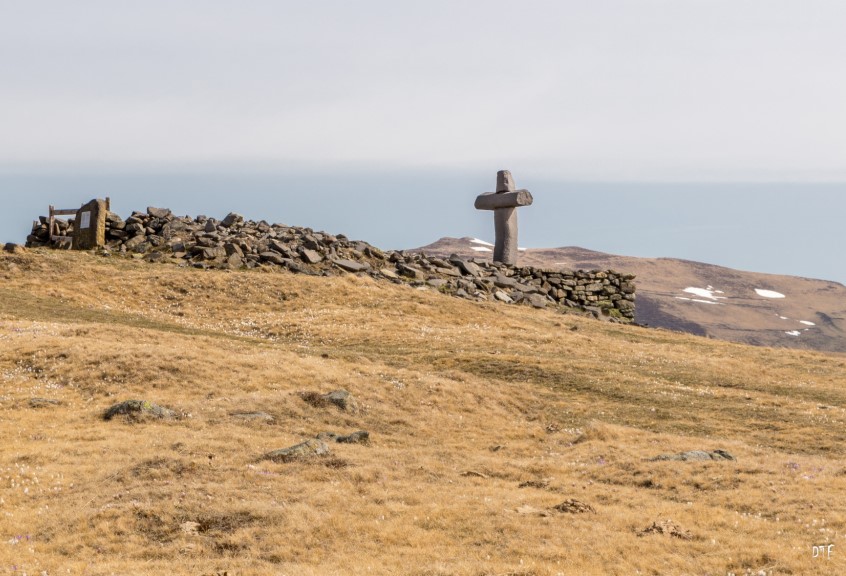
396 93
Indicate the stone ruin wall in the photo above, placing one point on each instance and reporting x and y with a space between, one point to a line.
233 243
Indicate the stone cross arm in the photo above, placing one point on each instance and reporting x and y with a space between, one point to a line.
504 203
496 200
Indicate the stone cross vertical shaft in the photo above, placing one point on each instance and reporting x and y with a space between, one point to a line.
504 202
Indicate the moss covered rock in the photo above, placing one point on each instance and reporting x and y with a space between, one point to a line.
138 409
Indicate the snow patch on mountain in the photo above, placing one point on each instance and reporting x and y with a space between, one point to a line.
769 293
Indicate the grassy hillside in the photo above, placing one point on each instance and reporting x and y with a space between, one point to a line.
483 418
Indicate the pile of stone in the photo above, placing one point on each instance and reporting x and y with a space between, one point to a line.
40 236
234 243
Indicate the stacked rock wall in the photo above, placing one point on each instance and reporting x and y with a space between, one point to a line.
157 235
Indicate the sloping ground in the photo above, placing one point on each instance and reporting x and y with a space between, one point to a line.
810 316
504 440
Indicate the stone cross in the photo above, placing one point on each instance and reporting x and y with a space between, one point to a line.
504 202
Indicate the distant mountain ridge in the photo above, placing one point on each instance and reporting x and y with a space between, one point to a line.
704 299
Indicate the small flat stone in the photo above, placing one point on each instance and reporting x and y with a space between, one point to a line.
273 258
694 456
469 268
537 301
411 272
138 408
134 242
162 213
503 297
501 281
360 437
342 399
666 528
351 265
44 403
308 449
574 507
388 273
263 416
190 527
311 256
13 248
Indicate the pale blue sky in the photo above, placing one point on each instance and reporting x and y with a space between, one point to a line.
344 113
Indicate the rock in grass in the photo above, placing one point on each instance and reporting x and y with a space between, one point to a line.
666 528
574 507
308 449
694 456
137 409
44 403
12 248
340 398
360 437
261 416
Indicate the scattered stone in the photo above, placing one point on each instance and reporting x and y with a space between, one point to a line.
694 456
360 437
311 256
342 399
574 507
190 527
388 273
263 416
351 265
528 510
469 268
474 474
540 484
503 297
272 257
538 301
12 248
666 528
44 403
308 449
138 409
161 213
411 272
232 219
134 242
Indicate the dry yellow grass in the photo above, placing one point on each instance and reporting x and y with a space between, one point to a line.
482 418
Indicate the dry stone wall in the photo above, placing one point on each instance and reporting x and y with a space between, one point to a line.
234 243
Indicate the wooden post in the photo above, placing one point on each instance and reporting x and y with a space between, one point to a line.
50 225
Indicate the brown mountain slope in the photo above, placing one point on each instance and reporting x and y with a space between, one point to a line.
502 439
724 303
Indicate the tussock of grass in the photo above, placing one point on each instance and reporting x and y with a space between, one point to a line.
475 411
